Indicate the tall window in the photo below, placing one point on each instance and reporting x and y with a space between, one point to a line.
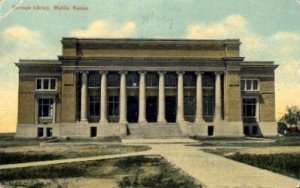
113 105
189 80
94 106
208 106
113 79
45 107
249 107
208 81
151 80
249 85
94 79
132 79
170 79
189 105
48 84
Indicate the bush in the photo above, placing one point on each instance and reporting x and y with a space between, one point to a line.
287 164
19 157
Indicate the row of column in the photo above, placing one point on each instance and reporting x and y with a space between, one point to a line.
142 98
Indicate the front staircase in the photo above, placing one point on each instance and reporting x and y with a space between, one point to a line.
154 131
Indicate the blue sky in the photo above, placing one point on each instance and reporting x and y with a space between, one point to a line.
268 29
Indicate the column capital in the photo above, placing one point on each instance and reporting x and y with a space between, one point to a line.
83 71
103 72
142 72
161 72
180 72
218 72
199 72
123 72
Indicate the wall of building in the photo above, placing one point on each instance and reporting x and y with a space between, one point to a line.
68 97
267 100
26 111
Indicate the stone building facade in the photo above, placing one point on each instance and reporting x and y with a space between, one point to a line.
144 87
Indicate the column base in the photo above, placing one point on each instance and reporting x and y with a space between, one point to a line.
199 121
161 121
84 121
103 121
142 121
123 122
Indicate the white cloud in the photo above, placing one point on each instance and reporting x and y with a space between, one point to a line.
105 28
19 42
282 47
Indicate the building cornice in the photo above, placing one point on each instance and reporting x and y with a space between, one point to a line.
104 43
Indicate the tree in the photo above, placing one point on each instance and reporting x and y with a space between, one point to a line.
290 119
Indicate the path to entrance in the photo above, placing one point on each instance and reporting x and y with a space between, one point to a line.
209 169
212 170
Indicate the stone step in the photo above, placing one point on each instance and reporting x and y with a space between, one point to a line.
154 130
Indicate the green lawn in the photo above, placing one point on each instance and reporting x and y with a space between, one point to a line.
287 164
18 151
283 163
138 171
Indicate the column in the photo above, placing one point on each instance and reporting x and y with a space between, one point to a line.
199 113
83 117
103 101
123 99
161 98
142 98
180 102
218 105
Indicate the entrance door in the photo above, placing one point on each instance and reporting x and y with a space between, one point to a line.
170 108
132 109
151 109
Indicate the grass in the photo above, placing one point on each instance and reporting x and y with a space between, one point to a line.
287 164
8 140
284 163
68 152
137 171
244 142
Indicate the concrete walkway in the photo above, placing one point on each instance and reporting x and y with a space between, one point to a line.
218 172
209 169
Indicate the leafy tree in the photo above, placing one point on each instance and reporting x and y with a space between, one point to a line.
289 121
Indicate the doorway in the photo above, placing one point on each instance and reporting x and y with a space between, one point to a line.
132 109
151 109
170 108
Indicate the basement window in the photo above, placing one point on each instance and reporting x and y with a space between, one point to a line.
40 132
93 132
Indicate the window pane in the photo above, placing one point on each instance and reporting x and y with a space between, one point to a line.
132 79
46 83
113 106
49 132
248 84
38 84
249 107
151 80
208 81
208 106
94 79
170 80
94 106
255 84
243 85
53 84
189 80
113 80
40 131
189 105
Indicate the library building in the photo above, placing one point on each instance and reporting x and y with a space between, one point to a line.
146 88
